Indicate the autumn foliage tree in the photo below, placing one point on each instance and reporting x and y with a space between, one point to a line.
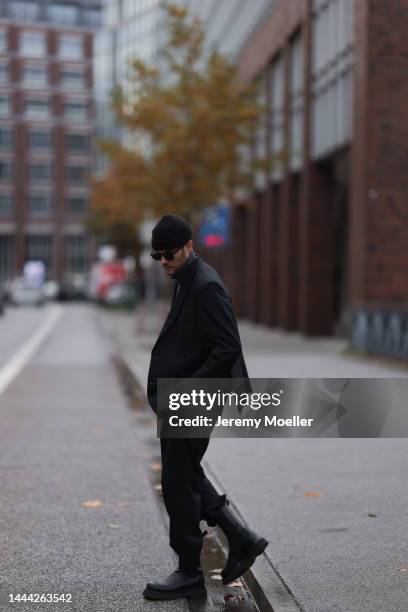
189 119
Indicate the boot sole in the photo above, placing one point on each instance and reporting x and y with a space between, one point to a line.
246 562
167 595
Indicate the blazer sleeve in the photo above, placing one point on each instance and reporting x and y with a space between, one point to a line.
218 331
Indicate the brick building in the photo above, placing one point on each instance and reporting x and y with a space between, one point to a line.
321 246
46 134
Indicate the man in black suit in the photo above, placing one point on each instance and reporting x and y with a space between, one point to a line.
199 339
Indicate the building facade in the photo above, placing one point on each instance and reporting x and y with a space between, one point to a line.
130 29
321 246
47 130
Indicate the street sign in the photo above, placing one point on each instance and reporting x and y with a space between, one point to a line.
214 230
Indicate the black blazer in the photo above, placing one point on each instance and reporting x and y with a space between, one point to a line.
200 337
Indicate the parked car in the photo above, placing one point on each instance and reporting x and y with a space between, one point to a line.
23 293
51 290
73 287
120 294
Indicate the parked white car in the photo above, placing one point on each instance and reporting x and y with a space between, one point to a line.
24 294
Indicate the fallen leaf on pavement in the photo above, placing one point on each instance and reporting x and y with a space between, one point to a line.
371 514
313 494
92 504
402 569
113 526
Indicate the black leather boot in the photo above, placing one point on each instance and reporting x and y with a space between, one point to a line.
244 545
181 583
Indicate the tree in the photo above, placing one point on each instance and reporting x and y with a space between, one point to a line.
190 120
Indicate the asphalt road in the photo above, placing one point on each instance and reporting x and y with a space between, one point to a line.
68 438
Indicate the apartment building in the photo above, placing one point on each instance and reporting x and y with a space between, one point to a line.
47 134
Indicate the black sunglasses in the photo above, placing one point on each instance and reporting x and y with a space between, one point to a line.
168 255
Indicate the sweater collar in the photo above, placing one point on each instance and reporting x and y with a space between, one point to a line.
182 275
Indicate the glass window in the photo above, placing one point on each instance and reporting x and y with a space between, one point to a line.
6 170
3 40
32 44
72 79
39 246
3 73
77 205
7 257
75 111
63 14
39 203
70 47
93 16
75 254
26 10
35 75
77 174
39 139
78 142
6 138
39 171
37 109
6 203
4 106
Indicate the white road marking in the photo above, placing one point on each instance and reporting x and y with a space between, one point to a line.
19 360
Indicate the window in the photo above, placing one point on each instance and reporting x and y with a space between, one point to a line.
3 40
7 257
34 75
77 205
37 109
38 139
6 138
6 203
72 80
39 171
39 246
26 10
77 174
78 142
93 16
6 171
75 254
39 203
4 106
75 111
63 14
32 44
3 73
70 47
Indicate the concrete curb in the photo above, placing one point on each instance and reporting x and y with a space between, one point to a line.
269 591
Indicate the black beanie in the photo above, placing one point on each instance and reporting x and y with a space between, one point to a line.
170 232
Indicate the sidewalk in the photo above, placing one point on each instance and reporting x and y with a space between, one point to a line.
333 510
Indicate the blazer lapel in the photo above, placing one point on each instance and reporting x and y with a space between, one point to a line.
178 300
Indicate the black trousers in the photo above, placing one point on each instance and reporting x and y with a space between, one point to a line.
188 496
